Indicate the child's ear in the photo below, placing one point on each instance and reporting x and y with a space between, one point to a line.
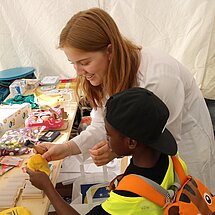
132 144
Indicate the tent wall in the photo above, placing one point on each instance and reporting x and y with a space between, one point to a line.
29 32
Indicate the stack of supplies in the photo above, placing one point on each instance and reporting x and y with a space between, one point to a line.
67 83
31 192
11 189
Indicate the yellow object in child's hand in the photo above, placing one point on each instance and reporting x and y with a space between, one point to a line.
37 162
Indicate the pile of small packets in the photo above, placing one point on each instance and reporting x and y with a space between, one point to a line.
12 142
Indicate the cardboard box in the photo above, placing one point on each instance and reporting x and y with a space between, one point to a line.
13 116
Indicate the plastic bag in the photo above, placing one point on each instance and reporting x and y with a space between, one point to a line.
90 189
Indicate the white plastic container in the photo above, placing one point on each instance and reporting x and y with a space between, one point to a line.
18 87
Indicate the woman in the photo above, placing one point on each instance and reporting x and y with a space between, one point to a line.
107 63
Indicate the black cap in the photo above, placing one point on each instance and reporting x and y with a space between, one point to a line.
139 114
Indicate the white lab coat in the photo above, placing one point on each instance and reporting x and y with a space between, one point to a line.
189 120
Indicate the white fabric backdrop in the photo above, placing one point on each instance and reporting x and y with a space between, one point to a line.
29 32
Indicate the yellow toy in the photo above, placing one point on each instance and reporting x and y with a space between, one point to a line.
37 162
16 210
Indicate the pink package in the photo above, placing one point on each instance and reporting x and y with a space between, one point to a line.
52 119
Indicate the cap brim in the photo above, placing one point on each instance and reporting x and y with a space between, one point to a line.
165 143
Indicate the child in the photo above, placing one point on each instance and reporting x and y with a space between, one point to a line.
135 121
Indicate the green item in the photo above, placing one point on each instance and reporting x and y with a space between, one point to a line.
20 99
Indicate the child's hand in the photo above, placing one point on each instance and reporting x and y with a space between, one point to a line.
39 179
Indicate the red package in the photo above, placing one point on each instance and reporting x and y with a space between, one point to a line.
51 118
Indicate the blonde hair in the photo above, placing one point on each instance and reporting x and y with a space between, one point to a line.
93 30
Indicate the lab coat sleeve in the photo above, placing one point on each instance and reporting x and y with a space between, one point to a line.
93 134
165 82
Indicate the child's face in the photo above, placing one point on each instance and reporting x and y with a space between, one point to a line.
117 142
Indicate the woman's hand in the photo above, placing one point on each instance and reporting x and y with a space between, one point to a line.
59 151
39 179
53 151
101 153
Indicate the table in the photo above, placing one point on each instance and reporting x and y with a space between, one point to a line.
41 206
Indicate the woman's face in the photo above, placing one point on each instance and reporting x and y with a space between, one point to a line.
91 65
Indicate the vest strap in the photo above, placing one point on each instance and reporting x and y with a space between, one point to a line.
151 190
